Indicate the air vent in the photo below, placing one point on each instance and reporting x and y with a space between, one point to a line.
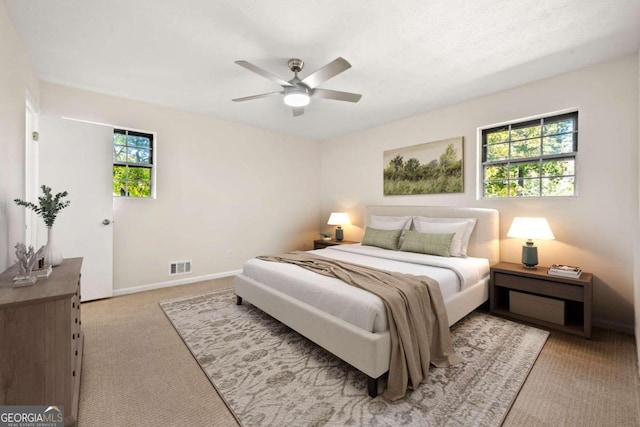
180 267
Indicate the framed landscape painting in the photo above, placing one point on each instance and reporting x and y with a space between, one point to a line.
430 168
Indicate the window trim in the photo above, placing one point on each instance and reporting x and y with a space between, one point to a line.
152 160
481 153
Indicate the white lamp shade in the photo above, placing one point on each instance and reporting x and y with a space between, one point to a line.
530 228
339 218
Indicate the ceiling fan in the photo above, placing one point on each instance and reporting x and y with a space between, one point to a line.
298 92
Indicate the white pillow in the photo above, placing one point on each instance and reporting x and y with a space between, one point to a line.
381 222
462 227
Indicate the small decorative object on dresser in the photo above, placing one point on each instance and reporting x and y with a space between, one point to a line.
533 296
48 208
26 260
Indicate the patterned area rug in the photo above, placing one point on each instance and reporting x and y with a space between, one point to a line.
271 376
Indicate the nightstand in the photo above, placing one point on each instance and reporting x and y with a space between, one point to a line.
321 244
533 296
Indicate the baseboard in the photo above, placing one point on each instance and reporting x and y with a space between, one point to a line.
176 282
614 326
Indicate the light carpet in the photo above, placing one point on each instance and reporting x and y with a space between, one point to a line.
271 376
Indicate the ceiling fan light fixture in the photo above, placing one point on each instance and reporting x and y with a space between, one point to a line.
296 97
298 92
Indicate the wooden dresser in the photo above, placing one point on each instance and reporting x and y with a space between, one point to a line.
41 340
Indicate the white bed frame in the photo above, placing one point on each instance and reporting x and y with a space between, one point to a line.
370 352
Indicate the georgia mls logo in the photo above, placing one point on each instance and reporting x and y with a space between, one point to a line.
54 408
31 416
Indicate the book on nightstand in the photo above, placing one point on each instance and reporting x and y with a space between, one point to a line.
562 270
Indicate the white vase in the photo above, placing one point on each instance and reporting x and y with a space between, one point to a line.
52 254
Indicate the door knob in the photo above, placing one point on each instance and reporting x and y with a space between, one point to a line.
106 222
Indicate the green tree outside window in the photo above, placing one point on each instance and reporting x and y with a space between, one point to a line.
132 163
535 158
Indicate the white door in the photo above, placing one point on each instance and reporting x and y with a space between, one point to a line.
77 157
31 173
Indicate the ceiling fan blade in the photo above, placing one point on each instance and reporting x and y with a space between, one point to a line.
264 73
332 69
262 95
337 95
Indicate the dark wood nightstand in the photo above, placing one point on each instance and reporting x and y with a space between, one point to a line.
321 244
536 297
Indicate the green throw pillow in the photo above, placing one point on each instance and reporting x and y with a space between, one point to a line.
427 243
386 239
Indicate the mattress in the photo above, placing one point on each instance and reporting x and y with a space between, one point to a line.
356 306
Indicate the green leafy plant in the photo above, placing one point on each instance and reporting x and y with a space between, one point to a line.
326 234
48 206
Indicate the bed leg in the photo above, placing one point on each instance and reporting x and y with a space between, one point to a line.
238 300
372 386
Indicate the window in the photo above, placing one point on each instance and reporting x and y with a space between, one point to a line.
535 158
132 163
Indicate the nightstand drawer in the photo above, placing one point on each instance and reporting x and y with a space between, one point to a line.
538 307
528 284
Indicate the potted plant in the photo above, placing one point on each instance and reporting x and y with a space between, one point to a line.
326 235
48 208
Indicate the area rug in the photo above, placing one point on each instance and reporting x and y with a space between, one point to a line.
269 375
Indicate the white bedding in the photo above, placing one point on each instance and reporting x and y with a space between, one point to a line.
355 305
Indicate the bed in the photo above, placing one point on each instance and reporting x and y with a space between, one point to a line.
353 327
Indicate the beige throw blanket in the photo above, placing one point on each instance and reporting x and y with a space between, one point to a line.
415 309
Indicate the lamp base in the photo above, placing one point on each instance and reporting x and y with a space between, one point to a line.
529 256
339 233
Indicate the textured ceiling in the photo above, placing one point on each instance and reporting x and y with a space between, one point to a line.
407 57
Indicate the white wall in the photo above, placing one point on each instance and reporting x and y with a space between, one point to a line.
16 77
637 247
594 230
225 192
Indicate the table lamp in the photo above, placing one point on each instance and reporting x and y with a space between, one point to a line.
530 228
339 218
